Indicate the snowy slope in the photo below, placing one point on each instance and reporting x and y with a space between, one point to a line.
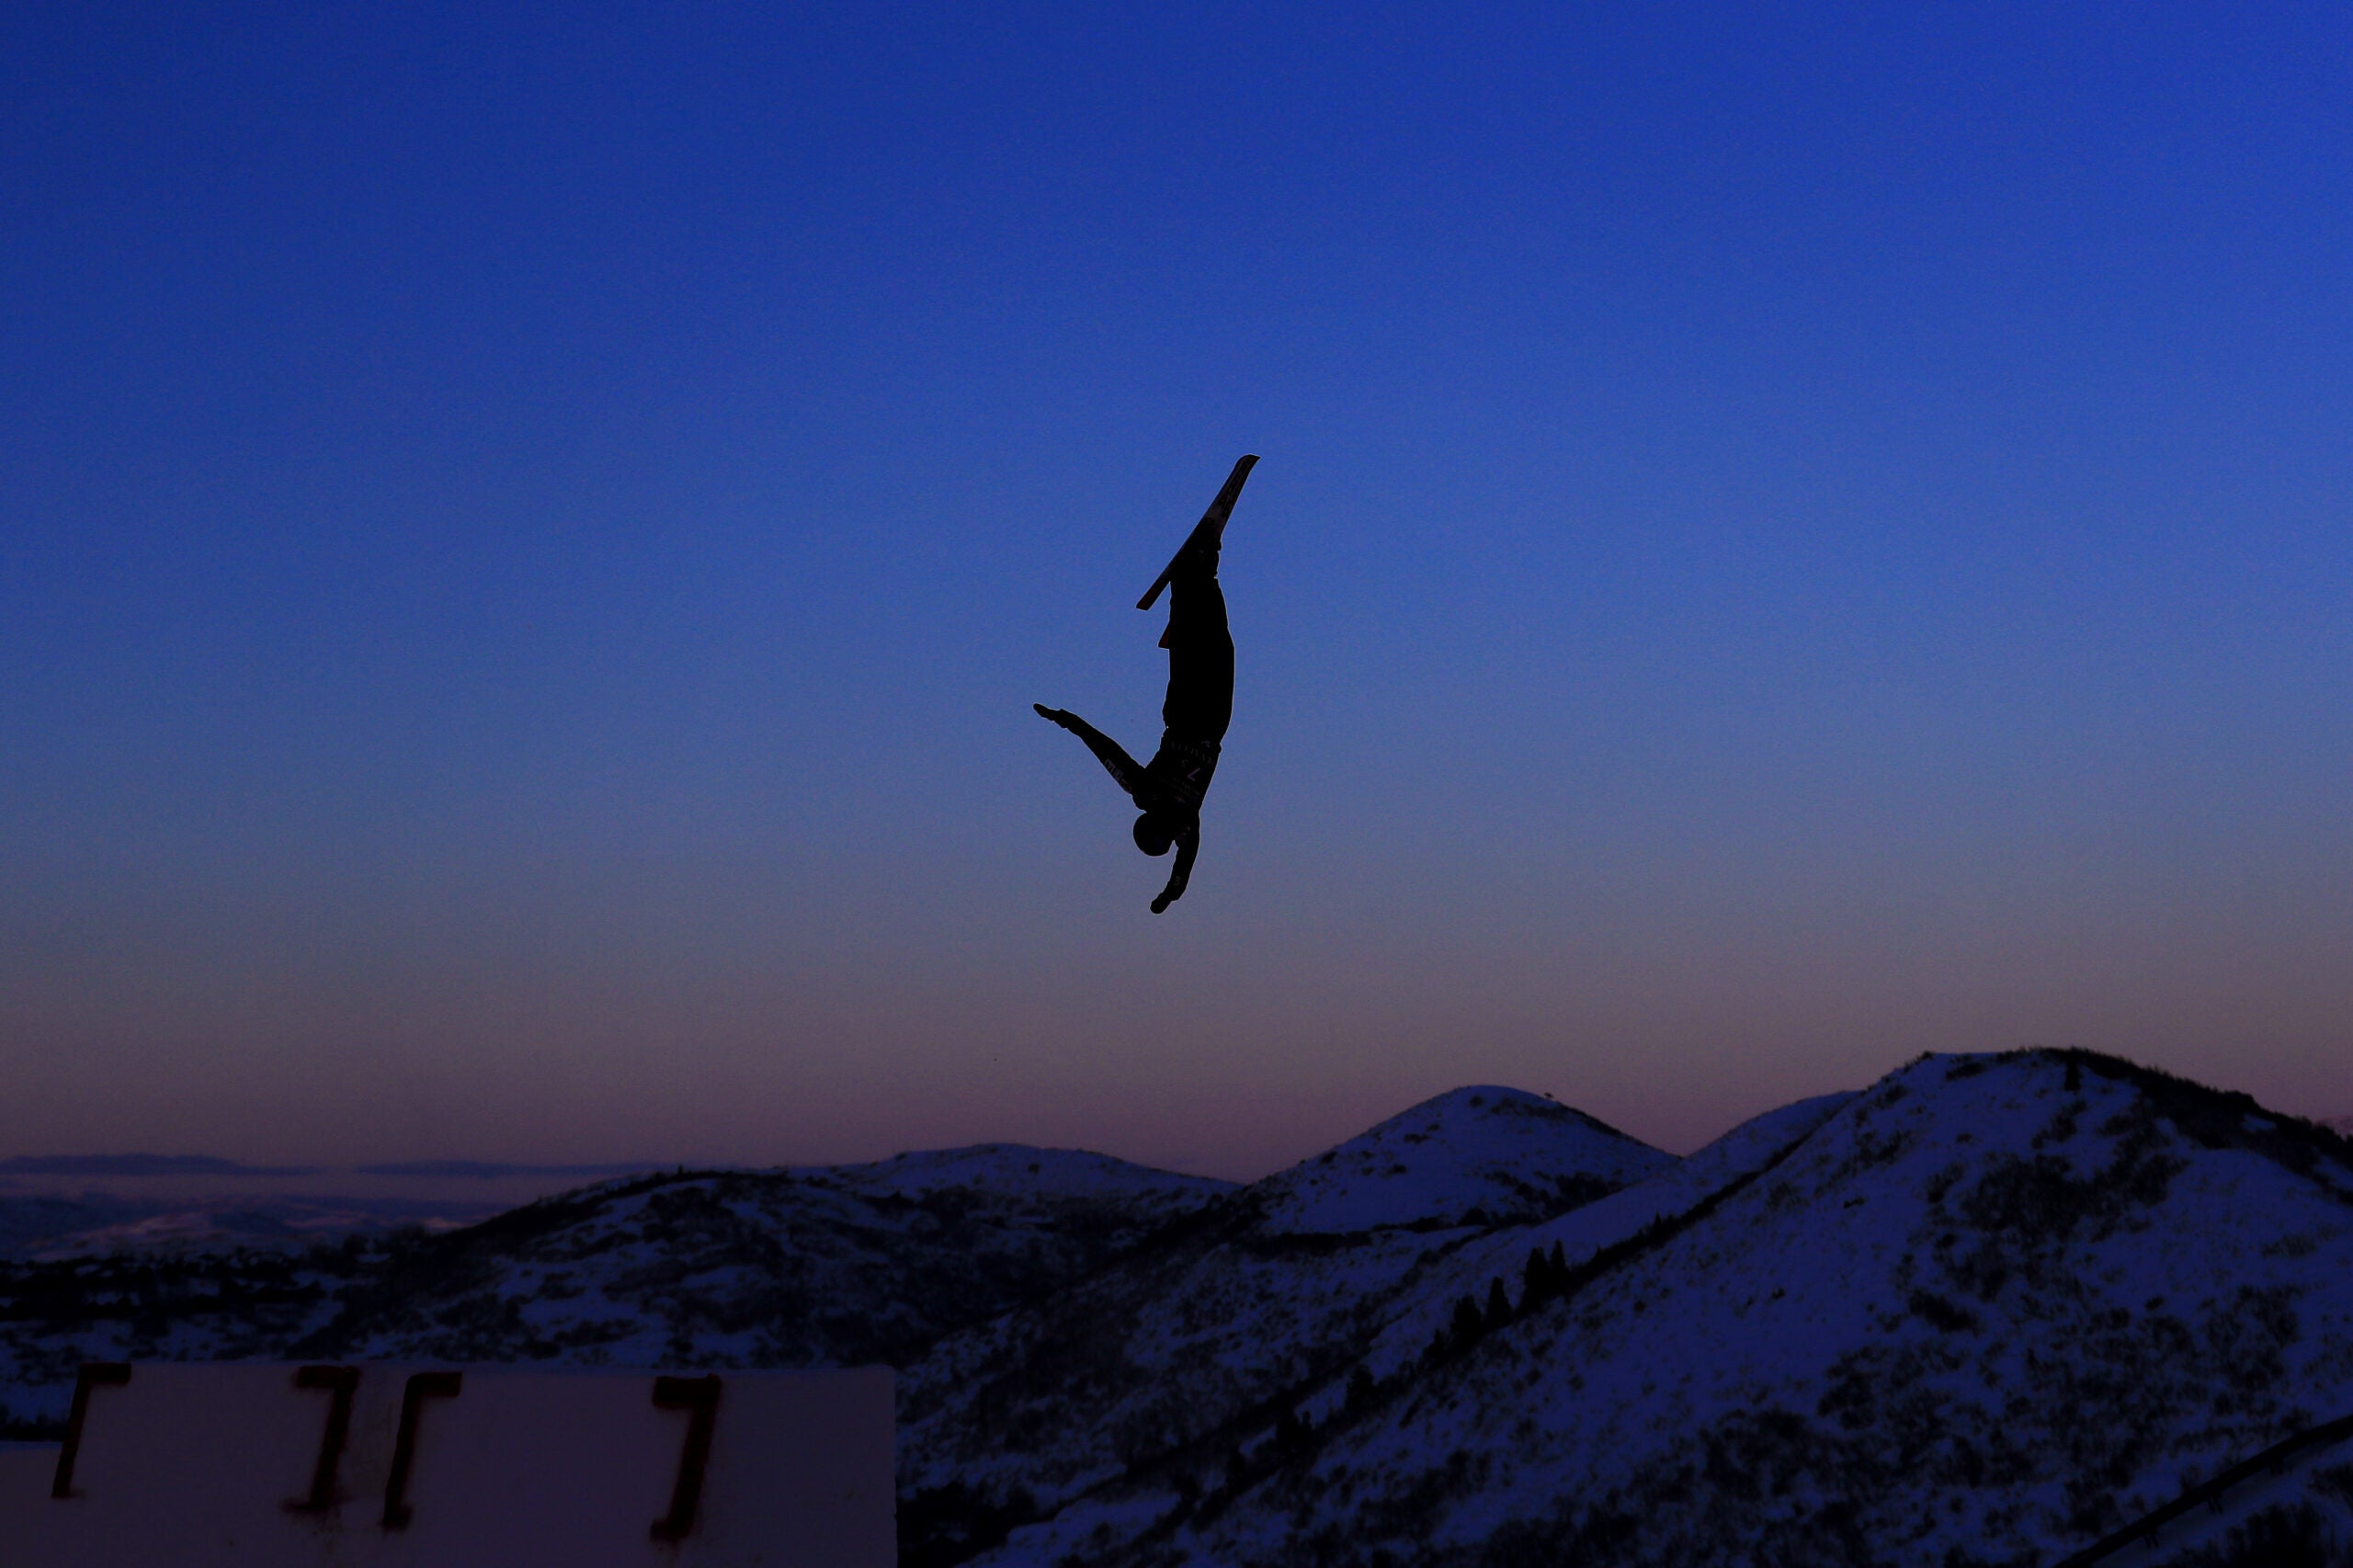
133 1307
831 1265
1982 1314
1481 1155
1578 1235
821 1266
1150 1361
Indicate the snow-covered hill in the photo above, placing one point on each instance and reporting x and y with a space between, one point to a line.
826 1265
832 1266
1278 1288
1980 1314
1481 1155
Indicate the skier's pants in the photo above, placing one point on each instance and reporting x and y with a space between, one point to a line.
1200 656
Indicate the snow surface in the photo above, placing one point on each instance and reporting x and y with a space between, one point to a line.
1478 1155
1982 1312
1275 1288
818 1266
1581 1233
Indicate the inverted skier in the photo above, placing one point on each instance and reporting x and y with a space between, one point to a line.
1167 791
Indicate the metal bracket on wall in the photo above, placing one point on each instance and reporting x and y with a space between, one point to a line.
93 1375
421 1386
700 1396
341 1383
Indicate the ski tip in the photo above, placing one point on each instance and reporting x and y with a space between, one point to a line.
1213 520
1231 490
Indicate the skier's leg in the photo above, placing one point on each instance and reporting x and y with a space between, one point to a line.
1123 768
1200 653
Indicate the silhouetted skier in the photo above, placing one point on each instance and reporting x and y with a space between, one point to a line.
1167 791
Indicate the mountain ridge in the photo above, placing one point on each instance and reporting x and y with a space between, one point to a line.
1981 1313
1473 1460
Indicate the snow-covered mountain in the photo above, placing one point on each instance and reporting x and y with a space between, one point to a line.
1183 1342
827 1265
1982 1313
1481 1155
824 1266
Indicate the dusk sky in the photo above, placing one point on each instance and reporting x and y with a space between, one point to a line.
1787 536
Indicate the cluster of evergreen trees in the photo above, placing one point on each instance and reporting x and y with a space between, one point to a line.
1544 1278
1547 1277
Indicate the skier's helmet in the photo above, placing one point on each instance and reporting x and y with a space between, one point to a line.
1152 834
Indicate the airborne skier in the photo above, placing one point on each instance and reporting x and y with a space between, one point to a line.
1167 791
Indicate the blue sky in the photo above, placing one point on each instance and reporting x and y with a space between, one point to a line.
1788 537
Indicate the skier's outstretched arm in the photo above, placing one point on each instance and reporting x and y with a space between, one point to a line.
1189 844
1123 768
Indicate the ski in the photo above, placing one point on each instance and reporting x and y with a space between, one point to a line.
1212 526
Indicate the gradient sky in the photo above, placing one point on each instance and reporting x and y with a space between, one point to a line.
1788 536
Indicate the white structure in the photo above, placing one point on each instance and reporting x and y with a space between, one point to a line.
258 1466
